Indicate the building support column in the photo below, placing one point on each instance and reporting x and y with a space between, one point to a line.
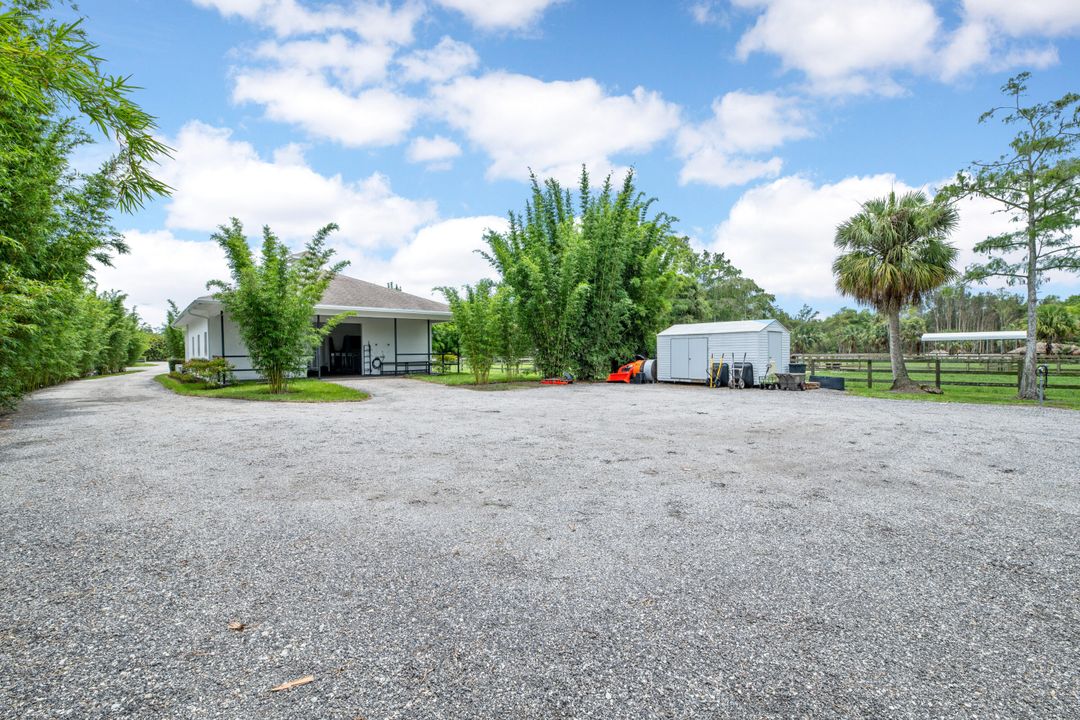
395 348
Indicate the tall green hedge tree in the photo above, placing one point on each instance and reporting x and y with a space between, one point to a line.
55 223
1037 184
512 344
476 317
174 337
594 282
273 300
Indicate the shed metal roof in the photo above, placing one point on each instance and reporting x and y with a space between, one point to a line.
714 328
969 336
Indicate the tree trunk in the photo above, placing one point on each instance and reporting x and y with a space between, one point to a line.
1027 378
901 381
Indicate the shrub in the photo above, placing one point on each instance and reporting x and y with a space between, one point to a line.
445 361
218 371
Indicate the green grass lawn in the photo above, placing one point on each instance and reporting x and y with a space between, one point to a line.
144 364
495 377
856 385
306 390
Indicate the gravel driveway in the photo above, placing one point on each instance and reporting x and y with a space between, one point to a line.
569 552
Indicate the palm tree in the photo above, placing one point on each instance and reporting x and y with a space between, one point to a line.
1054 324
894 251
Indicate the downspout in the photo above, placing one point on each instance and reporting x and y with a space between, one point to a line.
429 347
395 347
222 318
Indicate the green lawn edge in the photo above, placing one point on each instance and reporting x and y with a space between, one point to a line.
970 396
301 391
466 379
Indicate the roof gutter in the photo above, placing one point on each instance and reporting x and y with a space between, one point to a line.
383 312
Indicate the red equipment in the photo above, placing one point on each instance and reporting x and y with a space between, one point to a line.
627 372
566 379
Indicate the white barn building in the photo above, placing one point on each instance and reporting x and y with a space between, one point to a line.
388 331
684 352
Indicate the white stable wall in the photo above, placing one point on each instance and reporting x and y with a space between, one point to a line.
196 337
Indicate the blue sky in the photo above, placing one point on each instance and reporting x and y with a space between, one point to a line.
759 123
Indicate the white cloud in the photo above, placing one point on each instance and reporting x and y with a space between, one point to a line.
988 36
355 64
432 150
553 127
499 14
781 234
161 266
442 254
1034 17
844 46
375 116
216 177
373 21
446 60
858 46
708 12
968 47
742 123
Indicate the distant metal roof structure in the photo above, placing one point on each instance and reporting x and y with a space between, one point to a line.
974 336
714 328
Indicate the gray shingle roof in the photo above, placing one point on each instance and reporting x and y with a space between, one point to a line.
345 291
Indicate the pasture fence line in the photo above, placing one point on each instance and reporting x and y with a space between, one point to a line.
1063 372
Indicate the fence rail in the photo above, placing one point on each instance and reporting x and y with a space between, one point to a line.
943 369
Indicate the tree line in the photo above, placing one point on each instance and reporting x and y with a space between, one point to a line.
592 279
586 280
55 222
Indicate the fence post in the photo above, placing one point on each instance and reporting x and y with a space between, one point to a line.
1019 373
812 365
869 373
937 373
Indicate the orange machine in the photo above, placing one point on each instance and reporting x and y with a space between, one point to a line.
627 372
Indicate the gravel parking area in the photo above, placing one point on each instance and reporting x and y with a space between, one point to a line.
590 551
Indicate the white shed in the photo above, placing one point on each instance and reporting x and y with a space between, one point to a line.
684 352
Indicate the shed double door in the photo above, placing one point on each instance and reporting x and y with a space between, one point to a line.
689 358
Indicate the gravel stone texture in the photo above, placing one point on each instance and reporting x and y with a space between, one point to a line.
591 551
